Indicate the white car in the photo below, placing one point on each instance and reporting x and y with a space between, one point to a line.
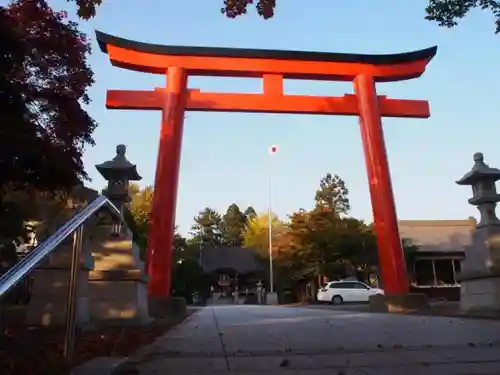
338 292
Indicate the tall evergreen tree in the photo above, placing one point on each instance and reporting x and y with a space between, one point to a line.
333 194
235 222
250 213
207 228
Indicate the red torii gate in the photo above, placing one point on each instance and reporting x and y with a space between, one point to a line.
177 63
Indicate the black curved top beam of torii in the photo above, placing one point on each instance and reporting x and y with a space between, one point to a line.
243 62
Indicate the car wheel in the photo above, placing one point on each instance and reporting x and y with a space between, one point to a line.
337 300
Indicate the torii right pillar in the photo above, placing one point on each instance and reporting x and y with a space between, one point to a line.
391 257
379 180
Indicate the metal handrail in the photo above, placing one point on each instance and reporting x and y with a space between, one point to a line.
19 271
73 226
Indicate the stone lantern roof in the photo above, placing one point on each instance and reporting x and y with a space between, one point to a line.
482 179
119 167
480 171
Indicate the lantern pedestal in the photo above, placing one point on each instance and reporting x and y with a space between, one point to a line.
480 274
117 283
398 303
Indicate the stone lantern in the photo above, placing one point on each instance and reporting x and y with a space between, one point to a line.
118 172
117 282
482 178
480 274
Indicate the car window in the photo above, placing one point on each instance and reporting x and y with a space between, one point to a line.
359 286
340 286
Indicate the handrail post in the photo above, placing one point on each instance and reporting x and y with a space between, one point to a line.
70 326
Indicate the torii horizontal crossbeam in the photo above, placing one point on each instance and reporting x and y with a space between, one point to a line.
243 62
346 105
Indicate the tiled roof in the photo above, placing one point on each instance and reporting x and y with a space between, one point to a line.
438 235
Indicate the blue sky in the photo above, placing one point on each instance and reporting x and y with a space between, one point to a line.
225 156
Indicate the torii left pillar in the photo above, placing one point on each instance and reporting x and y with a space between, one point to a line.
166 181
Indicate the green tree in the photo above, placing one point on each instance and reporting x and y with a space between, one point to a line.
333 194
180 247
447 13
185 249
187 275
250 213
234 224
207 228
315 241
320 243
359 247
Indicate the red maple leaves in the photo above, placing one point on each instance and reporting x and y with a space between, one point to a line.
44 78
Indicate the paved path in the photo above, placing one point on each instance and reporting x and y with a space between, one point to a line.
281 340
436 308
